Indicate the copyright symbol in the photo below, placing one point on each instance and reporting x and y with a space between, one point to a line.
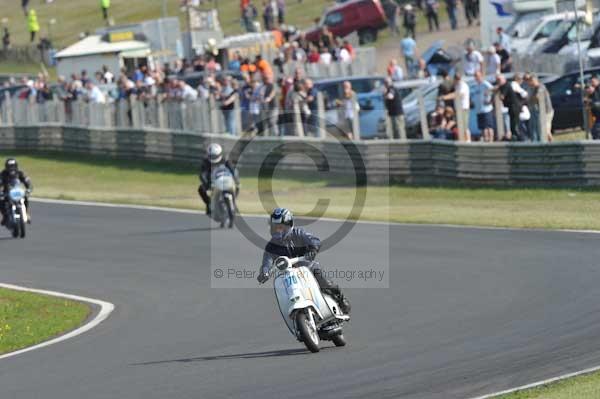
218 273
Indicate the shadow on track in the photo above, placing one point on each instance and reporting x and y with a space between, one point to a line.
252 355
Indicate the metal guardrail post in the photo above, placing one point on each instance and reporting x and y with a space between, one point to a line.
543 115
499 117
183 107
460 122
135 116
298 127
237 115
9 120
214 114
161 114
321 116
423 116
355 119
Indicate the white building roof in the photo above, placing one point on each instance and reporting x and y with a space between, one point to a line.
94 45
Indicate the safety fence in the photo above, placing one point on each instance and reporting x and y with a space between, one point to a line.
418 161
206 116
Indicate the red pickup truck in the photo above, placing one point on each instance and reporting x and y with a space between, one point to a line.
363 16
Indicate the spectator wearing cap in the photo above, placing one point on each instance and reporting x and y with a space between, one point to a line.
472 60
492 62
393 105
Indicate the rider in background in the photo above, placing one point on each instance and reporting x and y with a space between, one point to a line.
290 241
10 173
214 158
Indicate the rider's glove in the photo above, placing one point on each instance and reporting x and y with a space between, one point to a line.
310 255
262 277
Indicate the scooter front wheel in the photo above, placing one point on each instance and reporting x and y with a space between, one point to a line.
308 331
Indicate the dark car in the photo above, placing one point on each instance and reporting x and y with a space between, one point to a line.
565 93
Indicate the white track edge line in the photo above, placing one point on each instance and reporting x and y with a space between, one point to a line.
105 310
540 383
327 219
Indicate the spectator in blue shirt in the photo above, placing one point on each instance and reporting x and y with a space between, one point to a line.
481 95
409 46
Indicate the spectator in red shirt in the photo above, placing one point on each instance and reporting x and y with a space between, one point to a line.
313 55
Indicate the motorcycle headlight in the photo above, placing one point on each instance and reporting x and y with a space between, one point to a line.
16 194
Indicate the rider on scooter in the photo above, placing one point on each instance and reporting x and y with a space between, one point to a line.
214 158
10 173
290 241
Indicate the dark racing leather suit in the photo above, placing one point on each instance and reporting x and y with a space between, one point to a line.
6 177
297 243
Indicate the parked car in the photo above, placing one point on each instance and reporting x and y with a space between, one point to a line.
438 59
525 33
430 92
565 93
565 33
369 92
366 17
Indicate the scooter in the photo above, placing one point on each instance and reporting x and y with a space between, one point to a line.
309 314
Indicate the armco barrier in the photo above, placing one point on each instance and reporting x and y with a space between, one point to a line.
420 162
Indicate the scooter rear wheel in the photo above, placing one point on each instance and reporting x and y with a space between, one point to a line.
339 340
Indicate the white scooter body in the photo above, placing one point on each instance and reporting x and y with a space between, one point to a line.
296 289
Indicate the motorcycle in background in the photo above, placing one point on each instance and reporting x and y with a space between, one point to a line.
223 189
309 314
16 212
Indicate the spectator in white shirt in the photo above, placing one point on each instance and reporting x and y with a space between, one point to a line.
492 62
325 57
345 56
395 71
187 92
461 88
94 94
472 60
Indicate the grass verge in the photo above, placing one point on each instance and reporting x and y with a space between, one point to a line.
28 318
87 178
581 387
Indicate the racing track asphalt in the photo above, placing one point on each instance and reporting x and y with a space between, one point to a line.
468 311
